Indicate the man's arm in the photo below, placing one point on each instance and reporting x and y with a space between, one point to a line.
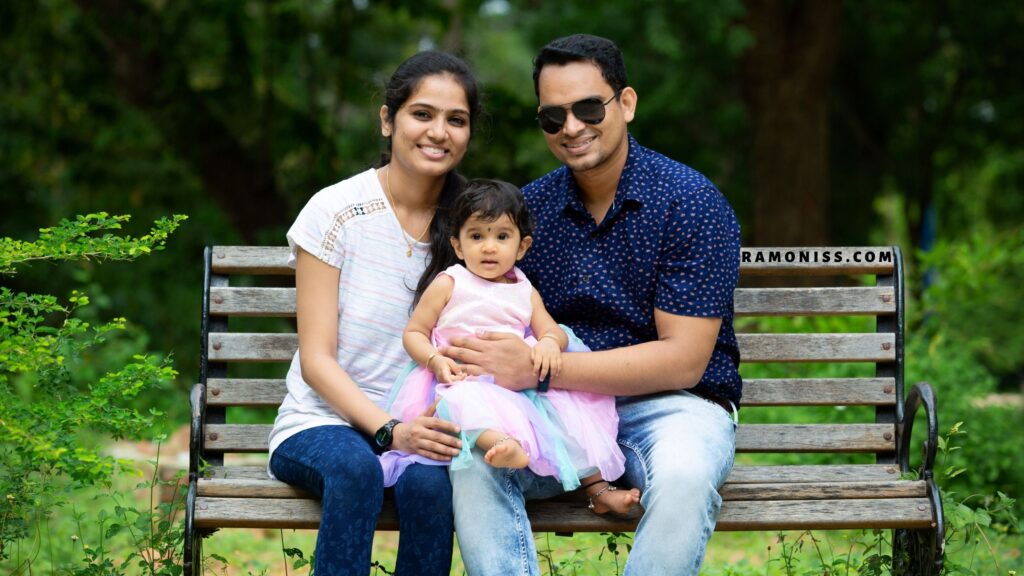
675 361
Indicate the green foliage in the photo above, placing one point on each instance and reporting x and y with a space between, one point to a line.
49 412
78 240
976 523
975 298
155 534
965 340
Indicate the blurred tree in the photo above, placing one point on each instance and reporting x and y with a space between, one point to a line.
786 78
927 102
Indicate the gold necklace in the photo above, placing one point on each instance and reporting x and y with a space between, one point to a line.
394 208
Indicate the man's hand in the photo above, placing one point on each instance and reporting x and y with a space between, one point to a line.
502 355
428 436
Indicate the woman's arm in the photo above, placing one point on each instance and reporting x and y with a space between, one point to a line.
316 303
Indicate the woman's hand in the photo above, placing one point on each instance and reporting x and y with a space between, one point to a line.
428 436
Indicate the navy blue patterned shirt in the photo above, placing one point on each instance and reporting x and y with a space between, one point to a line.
670 241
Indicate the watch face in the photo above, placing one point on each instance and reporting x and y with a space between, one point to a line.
383 437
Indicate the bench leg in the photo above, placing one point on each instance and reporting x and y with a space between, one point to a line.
914 553
193 554
921 552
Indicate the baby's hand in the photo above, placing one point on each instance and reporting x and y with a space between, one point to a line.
446 370
547 357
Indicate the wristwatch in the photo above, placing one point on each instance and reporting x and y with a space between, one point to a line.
384 435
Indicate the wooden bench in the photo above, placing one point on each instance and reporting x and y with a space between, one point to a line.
866 482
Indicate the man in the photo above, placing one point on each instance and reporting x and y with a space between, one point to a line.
639 256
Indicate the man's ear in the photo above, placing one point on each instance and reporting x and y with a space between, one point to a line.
457 246
627 100
524 245
385 124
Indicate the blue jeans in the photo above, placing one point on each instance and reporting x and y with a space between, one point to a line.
679 449
337 465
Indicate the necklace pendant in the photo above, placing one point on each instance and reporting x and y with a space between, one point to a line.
408 252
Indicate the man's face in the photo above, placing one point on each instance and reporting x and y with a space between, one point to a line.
579 145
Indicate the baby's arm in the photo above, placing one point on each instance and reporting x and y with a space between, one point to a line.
417 332
551 340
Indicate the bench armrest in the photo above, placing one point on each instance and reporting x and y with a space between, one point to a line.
920 394
197 399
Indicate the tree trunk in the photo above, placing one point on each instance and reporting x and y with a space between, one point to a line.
786 76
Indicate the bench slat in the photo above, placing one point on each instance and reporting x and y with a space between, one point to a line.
758 474
814 301
756 392
268 302
880 347
819 392
741 473
826 514
826 490
749 437
266 488
216 512
280 302
245 391
251 260
753 261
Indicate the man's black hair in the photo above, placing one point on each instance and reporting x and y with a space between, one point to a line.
599 51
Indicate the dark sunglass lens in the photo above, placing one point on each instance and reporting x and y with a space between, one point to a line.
551 119
590 110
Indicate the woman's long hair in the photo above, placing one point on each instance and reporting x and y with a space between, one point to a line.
400 87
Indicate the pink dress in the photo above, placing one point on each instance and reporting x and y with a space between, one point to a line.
567 434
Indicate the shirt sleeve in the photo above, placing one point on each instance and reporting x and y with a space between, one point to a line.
699 261
318 230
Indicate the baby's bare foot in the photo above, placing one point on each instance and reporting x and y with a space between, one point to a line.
606 498
507 453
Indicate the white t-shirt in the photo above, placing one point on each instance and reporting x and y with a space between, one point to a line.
351 226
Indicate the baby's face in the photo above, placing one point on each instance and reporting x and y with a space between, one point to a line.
490 248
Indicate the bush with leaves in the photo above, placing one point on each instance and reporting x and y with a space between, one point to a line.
49 412
965 339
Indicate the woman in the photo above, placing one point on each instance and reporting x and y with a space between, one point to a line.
358 249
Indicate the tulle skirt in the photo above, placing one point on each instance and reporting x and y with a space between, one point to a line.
567 434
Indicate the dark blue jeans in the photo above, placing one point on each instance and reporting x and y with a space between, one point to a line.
337 464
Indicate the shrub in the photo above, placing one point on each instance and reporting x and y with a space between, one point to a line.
49 411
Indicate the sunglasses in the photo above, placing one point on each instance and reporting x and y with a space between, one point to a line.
589 110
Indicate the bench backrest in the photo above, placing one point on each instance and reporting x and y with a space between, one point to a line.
846 386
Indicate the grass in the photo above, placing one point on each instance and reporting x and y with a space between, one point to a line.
729 553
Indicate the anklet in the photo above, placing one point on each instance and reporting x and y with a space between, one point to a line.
590 499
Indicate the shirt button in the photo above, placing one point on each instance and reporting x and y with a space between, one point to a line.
585 279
